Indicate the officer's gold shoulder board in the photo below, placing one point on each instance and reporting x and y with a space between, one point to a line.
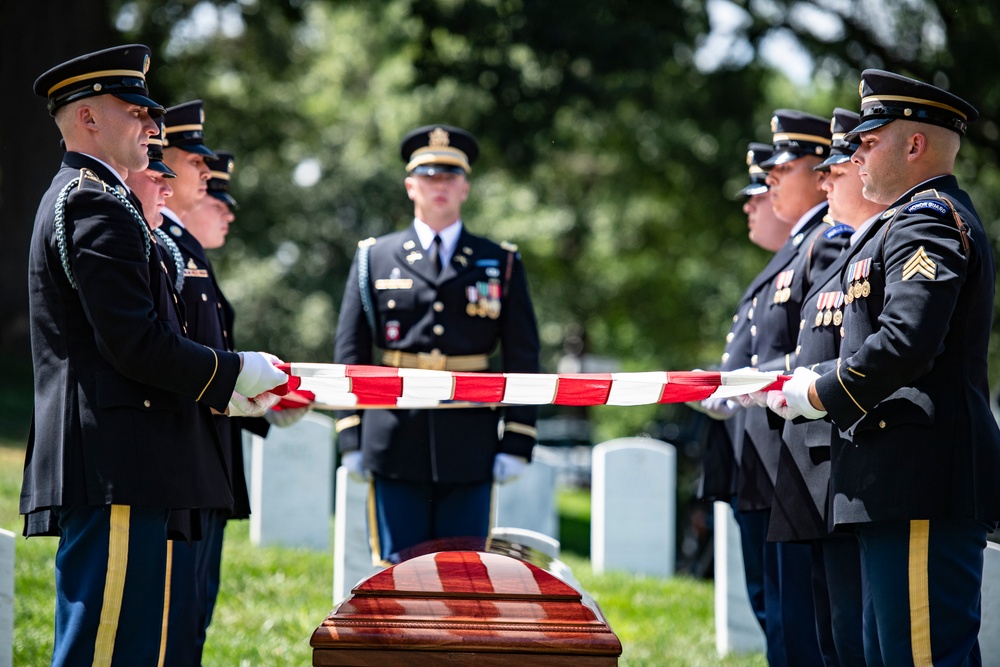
508 246
365 243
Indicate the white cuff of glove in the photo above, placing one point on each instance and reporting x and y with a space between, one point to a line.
285 417
352 460
507 467
259 374
241 406
796 391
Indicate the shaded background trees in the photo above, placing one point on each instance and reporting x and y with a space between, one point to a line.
613 133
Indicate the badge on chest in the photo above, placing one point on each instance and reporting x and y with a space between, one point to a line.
783 286
857 274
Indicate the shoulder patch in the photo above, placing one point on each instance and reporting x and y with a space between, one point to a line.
508 246
370 241
926 205
90 180
839 230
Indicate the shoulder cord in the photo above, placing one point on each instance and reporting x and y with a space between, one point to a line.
60 226
363 288
176 253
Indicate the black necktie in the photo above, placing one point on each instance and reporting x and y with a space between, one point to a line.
434 254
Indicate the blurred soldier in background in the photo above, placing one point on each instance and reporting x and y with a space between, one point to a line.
436 296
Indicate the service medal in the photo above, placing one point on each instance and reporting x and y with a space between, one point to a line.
827 318
838 318
866 288
819 318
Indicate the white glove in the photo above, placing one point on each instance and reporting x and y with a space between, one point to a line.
746 400
796 393
259 374
507 467
241 406
759 398
778 405
285 417
355 468
720 409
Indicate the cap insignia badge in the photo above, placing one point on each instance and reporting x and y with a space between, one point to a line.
438 138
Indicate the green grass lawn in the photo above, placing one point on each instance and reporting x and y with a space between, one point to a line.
272 598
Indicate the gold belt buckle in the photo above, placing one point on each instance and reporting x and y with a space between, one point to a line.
432 361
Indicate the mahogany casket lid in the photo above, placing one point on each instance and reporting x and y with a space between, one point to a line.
471 601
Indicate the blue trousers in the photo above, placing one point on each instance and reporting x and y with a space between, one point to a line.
922 591
781 589
408 513
110 569
753 539
194 586
836 578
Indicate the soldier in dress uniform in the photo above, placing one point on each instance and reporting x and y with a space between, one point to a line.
122 399
196 565
801 489
918 480
725 433
435 296
151 186
801 141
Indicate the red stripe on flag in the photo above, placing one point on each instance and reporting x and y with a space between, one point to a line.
588 389
479 387
296 399
375 385
686 386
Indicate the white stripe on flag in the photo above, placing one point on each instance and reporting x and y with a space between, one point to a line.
425 385
529 388
636 388
328 397
319 370
737 383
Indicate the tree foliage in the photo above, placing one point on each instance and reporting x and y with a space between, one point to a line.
612 133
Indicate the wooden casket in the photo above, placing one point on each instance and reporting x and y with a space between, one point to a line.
467 607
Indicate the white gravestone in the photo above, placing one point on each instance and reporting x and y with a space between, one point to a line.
6 598
989 632
352 555
291 484
633 514
736 627
527 538
529 501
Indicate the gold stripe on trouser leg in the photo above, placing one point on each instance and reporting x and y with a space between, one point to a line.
373 541
920 606
114 585
166 604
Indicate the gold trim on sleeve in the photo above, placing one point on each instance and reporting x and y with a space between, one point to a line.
841 380
214 371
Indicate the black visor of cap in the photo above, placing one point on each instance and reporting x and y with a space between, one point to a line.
753 189
431 169
158 165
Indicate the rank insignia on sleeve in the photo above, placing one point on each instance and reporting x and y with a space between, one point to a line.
920 263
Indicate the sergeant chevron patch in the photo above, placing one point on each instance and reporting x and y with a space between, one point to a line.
920 263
